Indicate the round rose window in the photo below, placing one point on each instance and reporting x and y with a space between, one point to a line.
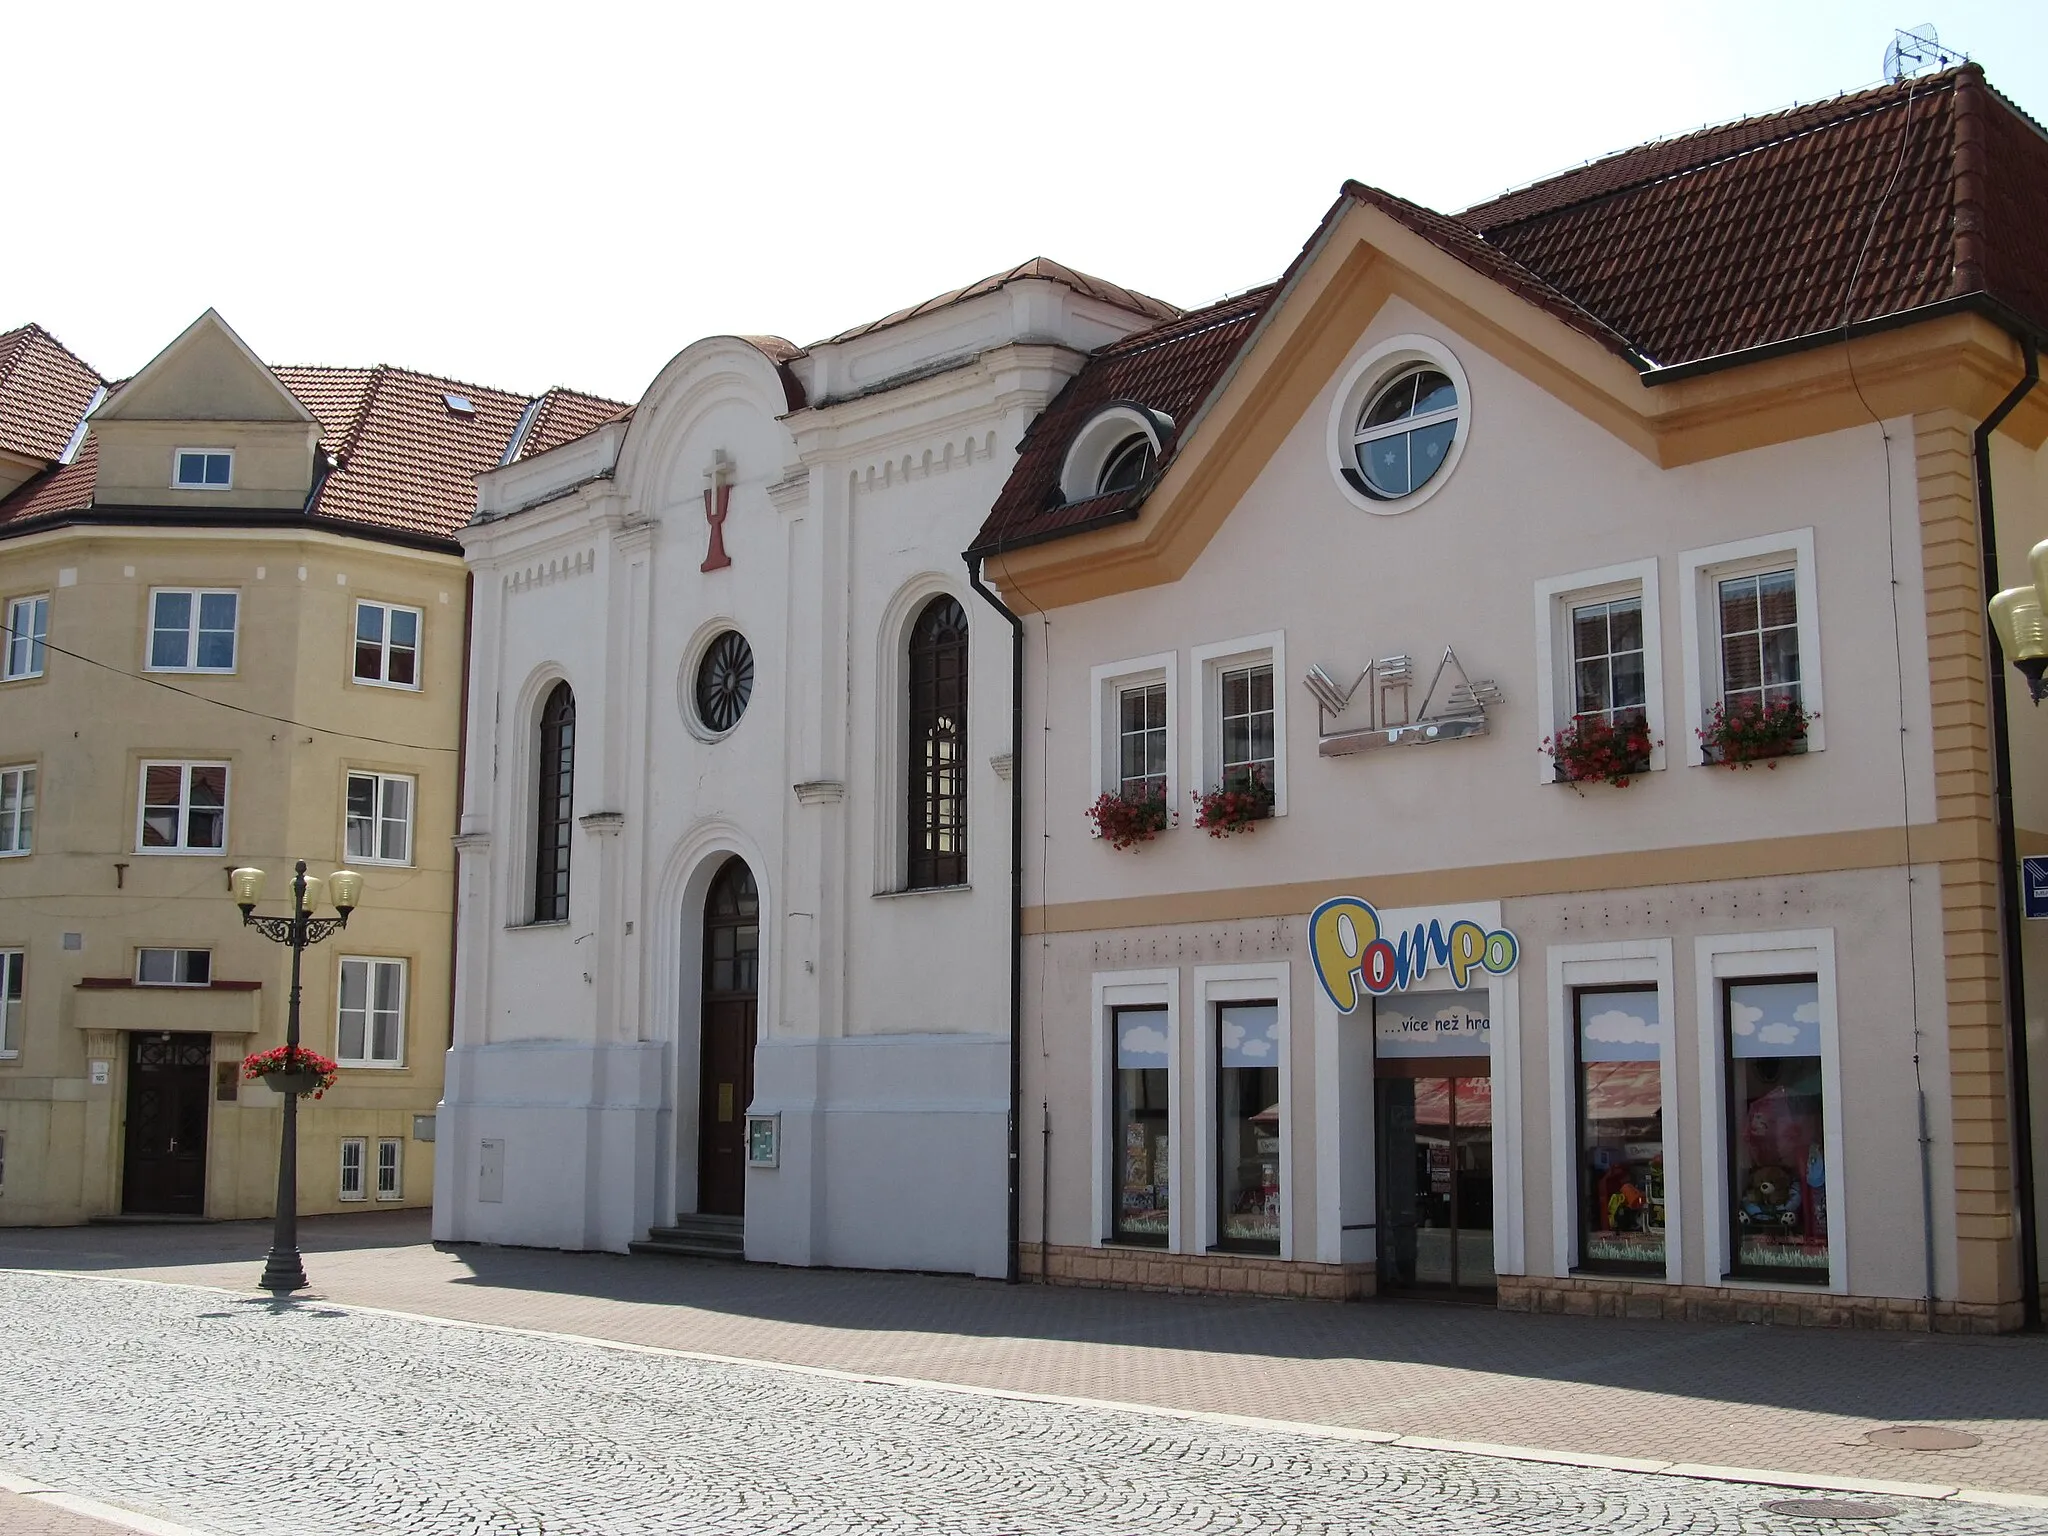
725 681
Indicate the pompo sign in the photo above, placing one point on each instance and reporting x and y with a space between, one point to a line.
1355 957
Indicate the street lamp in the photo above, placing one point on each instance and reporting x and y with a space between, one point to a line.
282 1270
2020 616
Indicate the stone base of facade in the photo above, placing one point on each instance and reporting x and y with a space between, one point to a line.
1614 1296
1210 1274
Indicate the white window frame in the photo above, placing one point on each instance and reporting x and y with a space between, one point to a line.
1209 663
384 646
1723 957
180 848
1363 380
1109 991
371 1063
396 1146
13 1010
191 663
412 803
1625 962
166 949
1104 684
1700 624
25 781
1270 982
1556 596
38 625
360 1146
1108 430
178 483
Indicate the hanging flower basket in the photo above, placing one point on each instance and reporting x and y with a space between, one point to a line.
1235 807
1597 749
1125 823
291 1069
1752 731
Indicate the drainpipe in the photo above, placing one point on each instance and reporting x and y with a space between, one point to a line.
2009 866
1016 1209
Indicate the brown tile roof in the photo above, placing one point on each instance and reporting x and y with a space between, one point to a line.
408 460
44 389
1692 249
1038 267
1170 368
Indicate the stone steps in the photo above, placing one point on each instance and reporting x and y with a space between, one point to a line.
697 1237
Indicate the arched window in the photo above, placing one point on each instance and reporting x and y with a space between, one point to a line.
938 745
554 786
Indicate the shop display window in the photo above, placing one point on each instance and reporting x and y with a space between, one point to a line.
1776 1130
1139 1153
1248 1126
1621 1179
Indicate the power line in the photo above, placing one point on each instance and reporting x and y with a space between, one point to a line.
157 682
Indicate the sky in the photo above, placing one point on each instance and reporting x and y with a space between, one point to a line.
523 196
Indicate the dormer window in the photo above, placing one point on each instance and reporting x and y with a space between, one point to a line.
1117 449
1129 462
203 469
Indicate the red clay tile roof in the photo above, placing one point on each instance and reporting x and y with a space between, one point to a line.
408 460
1170 368
1693 249
1038 267
44 389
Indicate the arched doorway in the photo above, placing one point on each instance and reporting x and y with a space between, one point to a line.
725 1078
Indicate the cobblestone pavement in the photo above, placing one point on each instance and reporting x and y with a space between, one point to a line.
1789 1399
244 1416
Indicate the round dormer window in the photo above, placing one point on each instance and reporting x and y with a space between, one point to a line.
1398 424
1129 462
1116 450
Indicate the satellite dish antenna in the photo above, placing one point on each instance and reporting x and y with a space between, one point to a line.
1910 52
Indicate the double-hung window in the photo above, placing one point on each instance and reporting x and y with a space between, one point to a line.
192 630
184 808
1141 742
370 1029
387 645
1133 732
203 469
12 962
1752 635
388 1187
380 818
28 629
1599 663
1608 681
17 810
353 1150
1759 617
1241 720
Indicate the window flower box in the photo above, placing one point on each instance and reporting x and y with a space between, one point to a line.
292 1069
1237 807
1751 731
1596 749
1124 823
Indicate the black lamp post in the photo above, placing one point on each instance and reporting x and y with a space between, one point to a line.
282 1270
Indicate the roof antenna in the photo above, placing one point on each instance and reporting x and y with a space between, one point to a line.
1910 52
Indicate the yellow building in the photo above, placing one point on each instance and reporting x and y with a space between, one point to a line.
235 629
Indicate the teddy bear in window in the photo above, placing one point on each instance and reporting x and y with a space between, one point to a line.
1771 1198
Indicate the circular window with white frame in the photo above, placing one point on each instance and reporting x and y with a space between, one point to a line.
718 682
1399 423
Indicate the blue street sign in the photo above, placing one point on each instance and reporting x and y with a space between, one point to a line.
2034 887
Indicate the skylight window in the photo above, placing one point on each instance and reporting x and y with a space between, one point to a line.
459 405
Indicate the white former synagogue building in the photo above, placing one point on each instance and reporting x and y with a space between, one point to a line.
734 894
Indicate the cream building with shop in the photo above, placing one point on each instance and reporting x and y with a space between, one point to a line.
236 636
1627 444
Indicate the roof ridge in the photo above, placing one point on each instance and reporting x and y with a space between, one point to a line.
1188 324
1852 104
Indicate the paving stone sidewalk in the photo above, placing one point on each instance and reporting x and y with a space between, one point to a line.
1745 1396
248 1416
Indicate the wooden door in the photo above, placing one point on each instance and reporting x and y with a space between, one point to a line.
725 1079
163 1165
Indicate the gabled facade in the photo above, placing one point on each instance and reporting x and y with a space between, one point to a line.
1460 506
735 881
236 636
